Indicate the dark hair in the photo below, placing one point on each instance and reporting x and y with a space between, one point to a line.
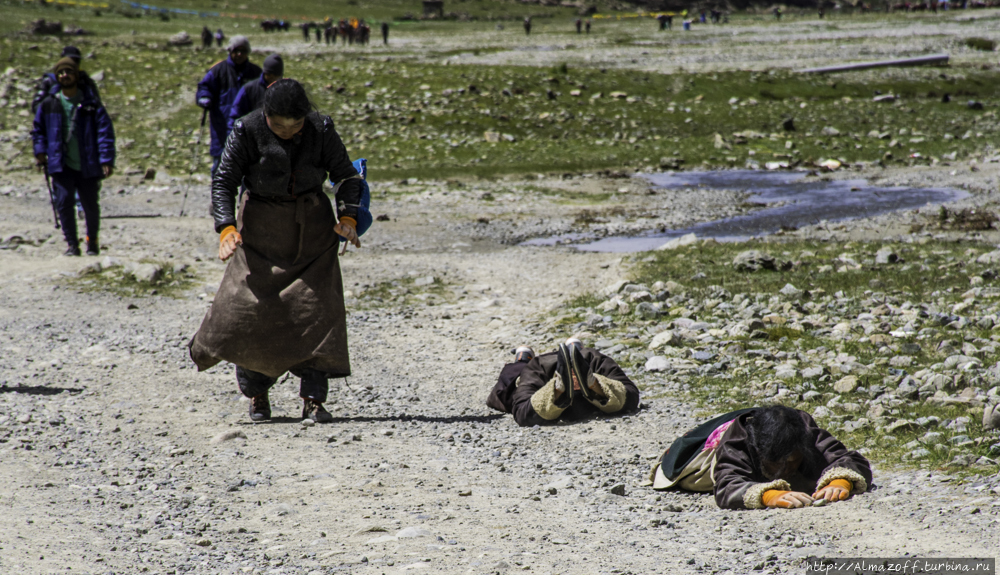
287 98
72 52
776 432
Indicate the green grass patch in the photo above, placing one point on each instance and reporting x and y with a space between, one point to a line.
431 121
932 271
984 44
119 280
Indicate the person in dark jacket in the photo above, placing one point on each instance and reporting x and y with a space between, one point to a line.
251 96
570 383
218 89
219 37
206 37
763 457
48 80
280 306
74 141
385 33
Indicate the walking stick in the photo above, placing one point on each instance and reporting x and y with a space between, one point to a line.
194 158
52 196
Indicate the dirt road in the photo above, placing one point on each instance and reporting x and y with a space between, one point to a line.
110 465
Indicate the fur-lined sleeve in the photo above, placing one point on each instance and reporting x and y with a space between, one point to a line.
532 402
544 403
614 391
841 463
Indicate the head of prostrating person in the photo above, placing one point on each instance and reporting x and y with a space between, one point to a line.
274 69
780 442
239 49
285 108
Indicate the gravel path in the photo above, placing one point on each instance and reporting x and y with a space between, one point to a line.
120 458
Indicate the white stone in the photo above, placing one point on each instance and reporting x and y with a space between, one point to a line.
657 363
663 338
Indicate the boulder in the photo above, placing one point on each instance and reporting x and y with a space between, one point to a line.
180 39
989 258
753 260
846 384
886 256
657 363
664 338
991 417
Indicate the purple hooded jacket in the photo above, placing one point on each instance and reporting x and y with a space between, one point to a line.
94 134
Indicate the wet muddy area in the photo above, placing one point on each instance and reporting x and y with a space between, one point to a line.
788 200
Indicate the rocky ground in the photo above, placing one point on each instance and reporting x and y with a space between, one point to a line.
121 458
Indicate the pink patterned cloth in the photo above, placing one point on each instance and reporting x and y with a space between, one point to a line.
713 440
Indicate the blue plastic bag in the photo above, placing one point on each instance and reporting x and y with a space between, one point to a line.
364 217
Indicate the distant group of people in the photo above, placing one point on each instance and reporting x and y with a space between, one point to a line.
207 36
349 30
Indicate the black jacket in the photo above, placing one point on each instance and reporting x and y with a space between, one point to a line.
534 392
740 483
279 169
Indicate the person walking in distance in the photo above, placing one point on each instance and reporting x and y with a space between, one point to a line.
280 306
218 89
385 33
74 142
527 25
251 96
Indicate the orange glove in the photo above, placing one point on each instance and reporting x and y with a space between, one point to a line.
836 490
229 238
349 221
785 499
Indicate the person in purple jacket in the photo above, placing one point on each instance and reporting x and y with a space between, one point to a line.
251 96
74 141
217 91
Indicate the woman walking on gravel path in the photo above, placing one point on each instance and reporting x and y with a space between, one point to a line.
280 306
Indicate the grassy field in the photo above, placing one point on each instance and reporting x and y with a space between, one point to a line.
417 118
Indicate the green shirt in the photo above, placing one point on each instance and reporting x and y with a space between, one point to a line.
71 159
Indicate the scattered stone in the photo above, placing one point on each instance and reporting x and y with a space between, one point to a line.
886 256
663 338
791 291
901 425
991 417
180 39
203 543
846 384
617 489
753 260
657 363
424 281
